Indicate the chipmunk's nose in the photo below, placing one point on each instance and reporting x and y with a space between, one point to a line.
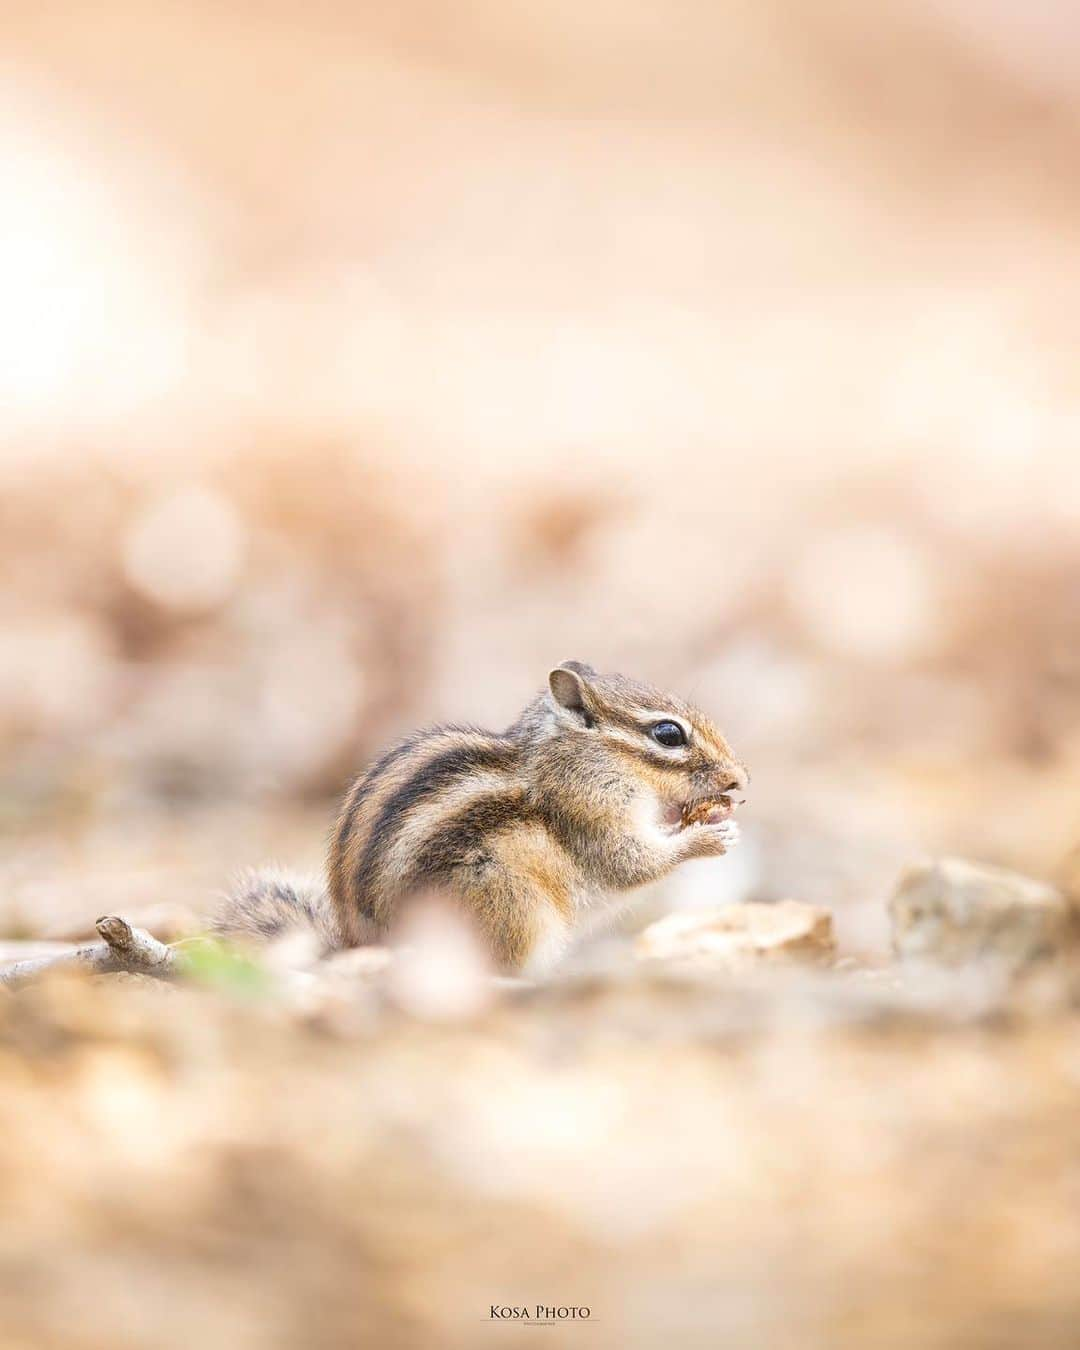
739 782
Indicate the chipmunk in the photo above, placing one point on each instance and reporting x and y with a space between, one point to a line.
601 785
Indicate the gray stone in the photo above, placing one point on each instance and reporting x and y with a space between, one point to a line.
953 911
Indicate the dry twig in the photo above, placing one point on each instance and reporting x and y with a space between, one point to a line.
123 948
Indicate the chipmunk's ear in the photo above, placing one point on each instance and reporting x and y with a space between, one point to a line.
569 685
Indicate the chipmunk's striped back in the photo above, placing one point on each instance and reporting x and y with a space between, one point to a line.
431 804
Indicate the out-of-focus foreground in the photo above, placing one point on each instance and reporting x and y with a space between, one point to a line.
741 1157
358 363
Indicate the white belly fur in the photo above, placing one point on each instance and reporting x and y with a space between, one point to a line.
552 939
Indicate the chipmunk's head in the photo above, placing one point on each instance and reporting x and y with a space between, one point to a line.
682 771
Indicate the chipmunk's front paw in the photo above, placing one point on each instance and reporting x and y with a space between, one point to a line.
702 827
725 835
711 841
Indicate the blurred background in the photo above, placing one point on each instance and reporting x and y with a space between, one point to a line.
360 362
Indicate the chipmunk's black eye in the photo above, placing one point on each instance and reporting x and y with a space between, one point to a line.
669 734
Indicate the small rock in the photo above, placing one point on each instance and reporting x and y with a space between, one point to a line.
953 911
739 935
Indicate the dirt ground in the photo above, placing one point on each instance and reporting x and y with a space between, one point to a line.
788 1158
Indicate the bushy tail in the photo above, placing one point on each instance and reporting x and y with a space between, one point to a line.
268 904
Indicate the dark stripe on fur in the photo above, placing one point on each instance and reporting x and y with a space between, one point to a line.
427 782
657 758
630 721
576 836
362 786
460 840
